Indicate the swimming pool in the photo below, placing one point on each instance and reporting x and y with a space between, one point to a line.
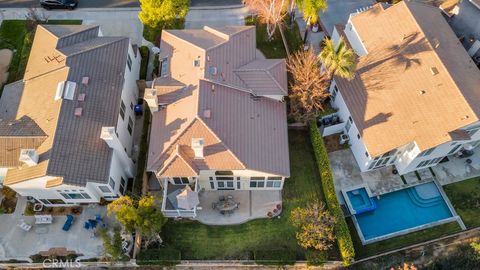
360 201
403 211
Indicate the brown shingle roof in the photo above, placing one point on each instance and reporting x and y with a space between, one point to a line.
240 132
72 149
416 83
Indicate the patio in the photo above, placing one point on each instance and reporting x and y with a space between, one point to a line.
346 174
253 205
16 243
457 169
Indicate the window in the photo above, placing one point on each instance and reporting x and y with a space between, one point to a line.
180 180
223 173
122 185
212 185
129 62
122 110
44 201
86 196
253 184
111 183
238 184
164 67
105 189
347 126
334 93
130 125
426 152
454 149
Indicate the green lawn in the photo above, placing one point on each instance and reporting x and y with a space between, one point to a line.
399 241
275 48
197 241
465 198
15 35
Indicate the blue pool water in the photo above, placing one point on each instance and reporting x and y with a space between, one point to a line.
360 200
404 209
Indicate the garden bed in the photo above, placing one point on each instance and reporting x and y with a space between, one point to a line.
54 211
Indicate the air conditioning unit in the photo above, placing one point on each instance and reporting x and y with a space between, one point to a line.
344 138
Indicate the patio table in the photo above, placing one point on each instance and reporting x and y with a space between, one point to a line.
226 205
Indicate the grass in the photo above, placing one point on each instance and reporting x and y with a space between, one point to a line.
274 48
465 198
400 241
202 242
16 36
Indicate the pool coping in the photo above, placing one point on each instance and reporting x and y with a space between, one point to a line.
454 217
347 199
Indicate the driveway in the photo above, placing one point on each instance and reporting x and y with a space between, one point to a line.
18 244
214 16
339 11
113 22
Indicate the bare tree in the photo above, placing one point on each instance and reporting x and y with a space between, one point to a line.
309 86
271 13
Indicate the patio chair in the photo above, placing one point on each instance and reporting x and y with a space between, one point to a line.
221 198
68 223
24 226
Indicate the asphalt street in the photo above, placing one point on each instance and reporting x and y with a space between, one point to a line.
111 3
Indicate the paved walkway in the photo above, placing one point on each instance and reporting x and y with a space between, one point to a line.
18 244
113 21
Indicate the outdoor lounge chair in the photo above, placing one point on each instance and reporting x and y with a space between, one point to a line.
24 226
43 219
68 223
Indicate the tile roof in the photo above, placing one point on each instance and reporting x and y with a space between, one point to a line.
417 83
72 149
240 132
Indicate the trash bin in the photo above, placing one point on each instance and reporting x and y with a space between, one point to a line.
138 109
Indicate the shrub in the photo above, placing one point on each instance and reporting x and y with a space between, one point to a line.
144 52
342 233
159 256
29 209
275 257
8 192
316 257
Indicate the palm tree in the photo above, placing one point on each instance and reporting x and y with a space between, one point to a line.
339 60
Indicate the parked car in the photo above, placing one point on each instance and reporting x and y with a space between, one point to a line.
59 4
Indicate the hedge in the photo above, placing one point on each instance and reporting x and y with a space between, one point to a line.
159 256
144 52
342 233
275 257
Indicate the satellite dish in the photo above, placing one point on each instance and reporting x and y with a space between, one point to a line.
155 50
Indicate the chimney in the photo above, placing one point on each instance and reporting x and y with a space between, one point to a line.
29 157
108 135
197 146
151 98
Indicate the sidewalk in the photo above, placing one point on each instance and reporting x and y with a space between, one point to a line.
113 21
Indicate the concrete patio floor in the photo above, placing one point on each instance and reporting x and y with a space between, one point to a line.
457 169
18 244
254 204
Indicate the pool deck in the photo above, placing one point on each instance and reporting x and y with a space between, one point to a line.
347 176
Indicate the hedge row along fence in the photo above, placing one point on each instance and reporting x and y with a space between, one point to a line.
344 238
